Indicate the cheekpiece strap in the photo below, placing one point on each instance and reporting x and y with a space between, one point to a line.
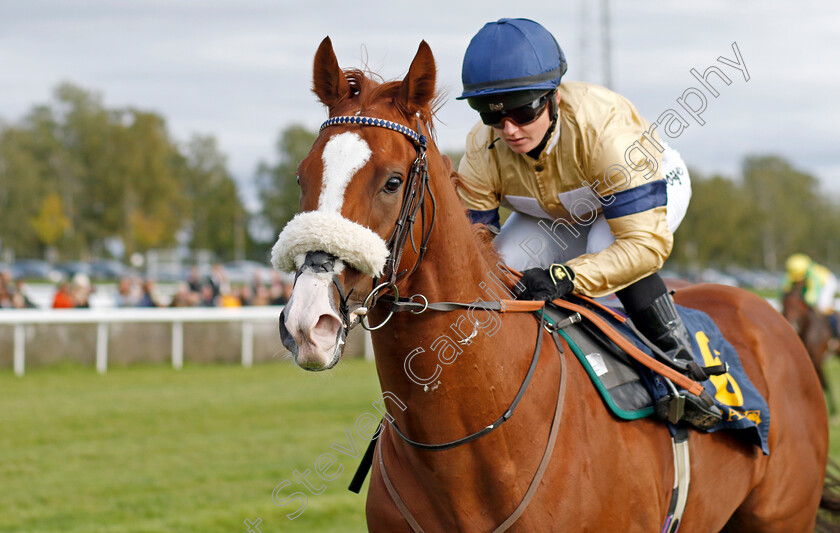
417 138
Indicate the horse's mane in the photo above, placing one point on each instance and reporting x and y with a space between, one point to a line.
483 236
484 239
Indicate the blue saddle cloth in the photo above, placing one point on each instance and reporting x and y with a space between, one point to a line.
743 407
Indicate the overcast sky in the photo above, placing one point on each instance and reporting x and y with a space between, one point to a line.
241 70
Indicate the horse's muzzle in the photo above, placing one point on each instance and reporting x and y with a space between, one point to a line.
310 326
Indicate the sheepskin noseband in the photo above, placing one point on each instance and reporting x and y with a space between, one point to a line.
330 232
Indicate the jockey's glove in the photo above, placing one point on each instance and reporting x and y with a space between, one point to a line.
547 284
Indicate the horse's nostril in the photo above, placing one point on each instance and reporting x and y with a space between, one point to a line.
325 330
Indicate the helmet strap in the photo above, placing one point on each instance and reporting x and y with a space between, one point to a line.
553 109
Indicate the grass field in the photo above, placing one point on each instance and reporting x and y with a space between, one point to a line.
151 449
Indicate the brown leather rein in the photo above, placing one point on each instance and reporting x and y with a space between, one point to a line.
586 312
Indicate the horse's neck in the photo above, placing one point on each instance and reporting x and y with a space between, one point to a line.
469 353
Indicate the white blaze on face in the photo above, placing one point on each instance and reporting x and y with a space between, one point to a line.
310 315
343 156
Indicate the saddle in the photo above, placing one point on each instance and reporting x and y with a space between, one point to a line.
601 340
617 377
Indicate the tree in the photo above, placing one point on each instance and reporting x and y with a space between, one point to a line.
147 231
51 223
774 211
79 136
715 230
117 175
277 185
21 191
216 216
787 203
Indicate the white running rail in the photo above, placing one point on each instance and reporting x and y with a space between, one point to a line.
247 316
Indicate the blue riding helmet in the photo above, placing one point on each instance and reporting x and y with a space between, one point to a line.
510 58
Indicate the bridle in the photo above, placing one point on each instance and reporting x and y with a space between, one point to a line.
414 202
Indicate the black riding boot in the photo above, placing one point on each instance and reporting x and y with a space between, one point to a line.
661 324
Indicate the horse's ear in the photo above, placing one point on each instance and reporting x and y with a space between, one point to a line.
328 81
418 87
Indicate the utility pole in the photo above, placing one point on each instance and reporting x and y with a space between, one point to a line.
605 43
239 235
583 60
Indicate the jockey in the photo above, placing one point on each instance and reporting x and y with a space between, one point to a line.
596 193
819 287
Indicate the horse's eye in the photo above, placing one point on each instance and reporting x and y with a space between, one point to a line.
392 185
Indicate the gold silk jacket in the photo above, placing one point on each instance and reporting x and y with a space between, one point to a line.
604 157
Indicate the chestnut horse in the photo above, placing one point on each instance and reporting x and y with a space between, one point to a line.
815 332
368 215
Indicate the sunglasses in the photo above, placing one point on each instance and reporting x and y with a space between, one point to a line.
521 115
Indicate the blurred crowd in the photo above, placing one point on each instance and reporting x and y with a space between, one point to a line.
12 293
197 290
212 290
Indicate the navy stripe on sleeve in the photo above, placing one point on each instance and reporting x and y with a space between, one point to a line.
638 199
488 218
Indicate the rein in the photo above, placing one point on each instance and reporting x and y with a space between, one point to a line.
417 185
499 421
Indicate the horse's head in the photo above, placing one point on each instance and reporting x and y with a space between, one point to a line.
794 307
359 187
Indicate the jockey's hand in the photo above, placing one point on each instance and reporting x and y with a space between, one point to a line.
547 284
